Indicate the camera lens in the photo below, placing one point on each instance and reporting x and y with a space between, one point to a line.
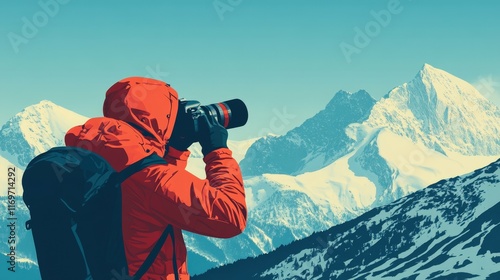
230 114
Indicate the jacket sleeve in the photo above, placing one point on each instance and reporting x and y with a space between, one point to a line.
215 206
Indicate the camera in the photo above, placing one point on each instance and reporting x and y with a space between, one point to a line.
229 114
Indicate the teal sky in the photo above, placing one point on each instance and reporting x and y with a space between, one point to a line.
283 58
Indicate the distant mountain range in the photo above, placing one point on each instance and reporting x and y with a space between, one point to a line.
316 143
449 230
354 155
436 109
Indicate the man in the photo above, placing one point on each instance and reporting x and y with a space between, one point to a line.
139 118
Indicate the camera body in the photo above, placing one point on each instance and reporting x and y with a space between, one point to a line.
229 114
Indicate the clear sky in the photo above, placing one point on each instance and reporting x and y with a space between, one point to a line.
284 58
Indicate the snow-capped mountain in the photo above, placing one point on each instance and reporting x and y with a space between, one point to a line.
448 230
444 112
375 173
283 208
374 166
197 166
316 143
35 130
32 131
351 166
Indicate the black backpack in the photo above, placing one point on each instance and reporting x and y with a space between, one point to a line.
74 199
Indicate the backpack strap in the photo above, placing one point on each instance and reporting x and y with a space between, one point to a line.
122 176
138 166
154 253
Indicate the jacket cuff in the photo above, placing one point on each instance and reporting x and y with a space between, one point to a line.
218 154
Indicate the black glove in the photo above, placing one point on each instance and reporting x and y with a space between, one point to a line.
180 139
212 135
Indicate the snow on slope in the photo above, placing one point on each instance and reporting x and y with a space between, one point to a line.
35 130
316 143
448 230
283 208
441 111
430 228
5 165
437 109
382 163
197 166
384 167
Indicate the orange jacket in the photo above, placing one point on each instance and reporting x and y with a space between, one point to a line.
165 194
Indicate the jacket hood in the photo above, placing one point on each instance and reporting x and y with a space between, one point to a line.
147 104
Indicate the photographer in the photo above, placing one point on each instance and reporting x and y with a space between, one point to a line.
139 118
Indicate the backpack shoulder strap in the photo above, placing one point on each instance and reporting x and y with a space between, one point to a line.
138 166
154 253
122 176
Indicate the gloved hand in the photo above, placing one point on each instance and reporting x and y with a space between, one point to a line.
212 135
180 139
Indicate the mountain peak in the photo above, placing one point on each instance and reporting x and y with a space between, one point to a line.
428 67
444 85
44 120
42 105
45 102
316 143
440 110
430 72
342 93
342 97
348 94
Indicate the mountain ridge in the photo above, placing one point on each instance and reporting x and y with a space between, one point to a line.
20 136
336 182
316 143
442 111
388 241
